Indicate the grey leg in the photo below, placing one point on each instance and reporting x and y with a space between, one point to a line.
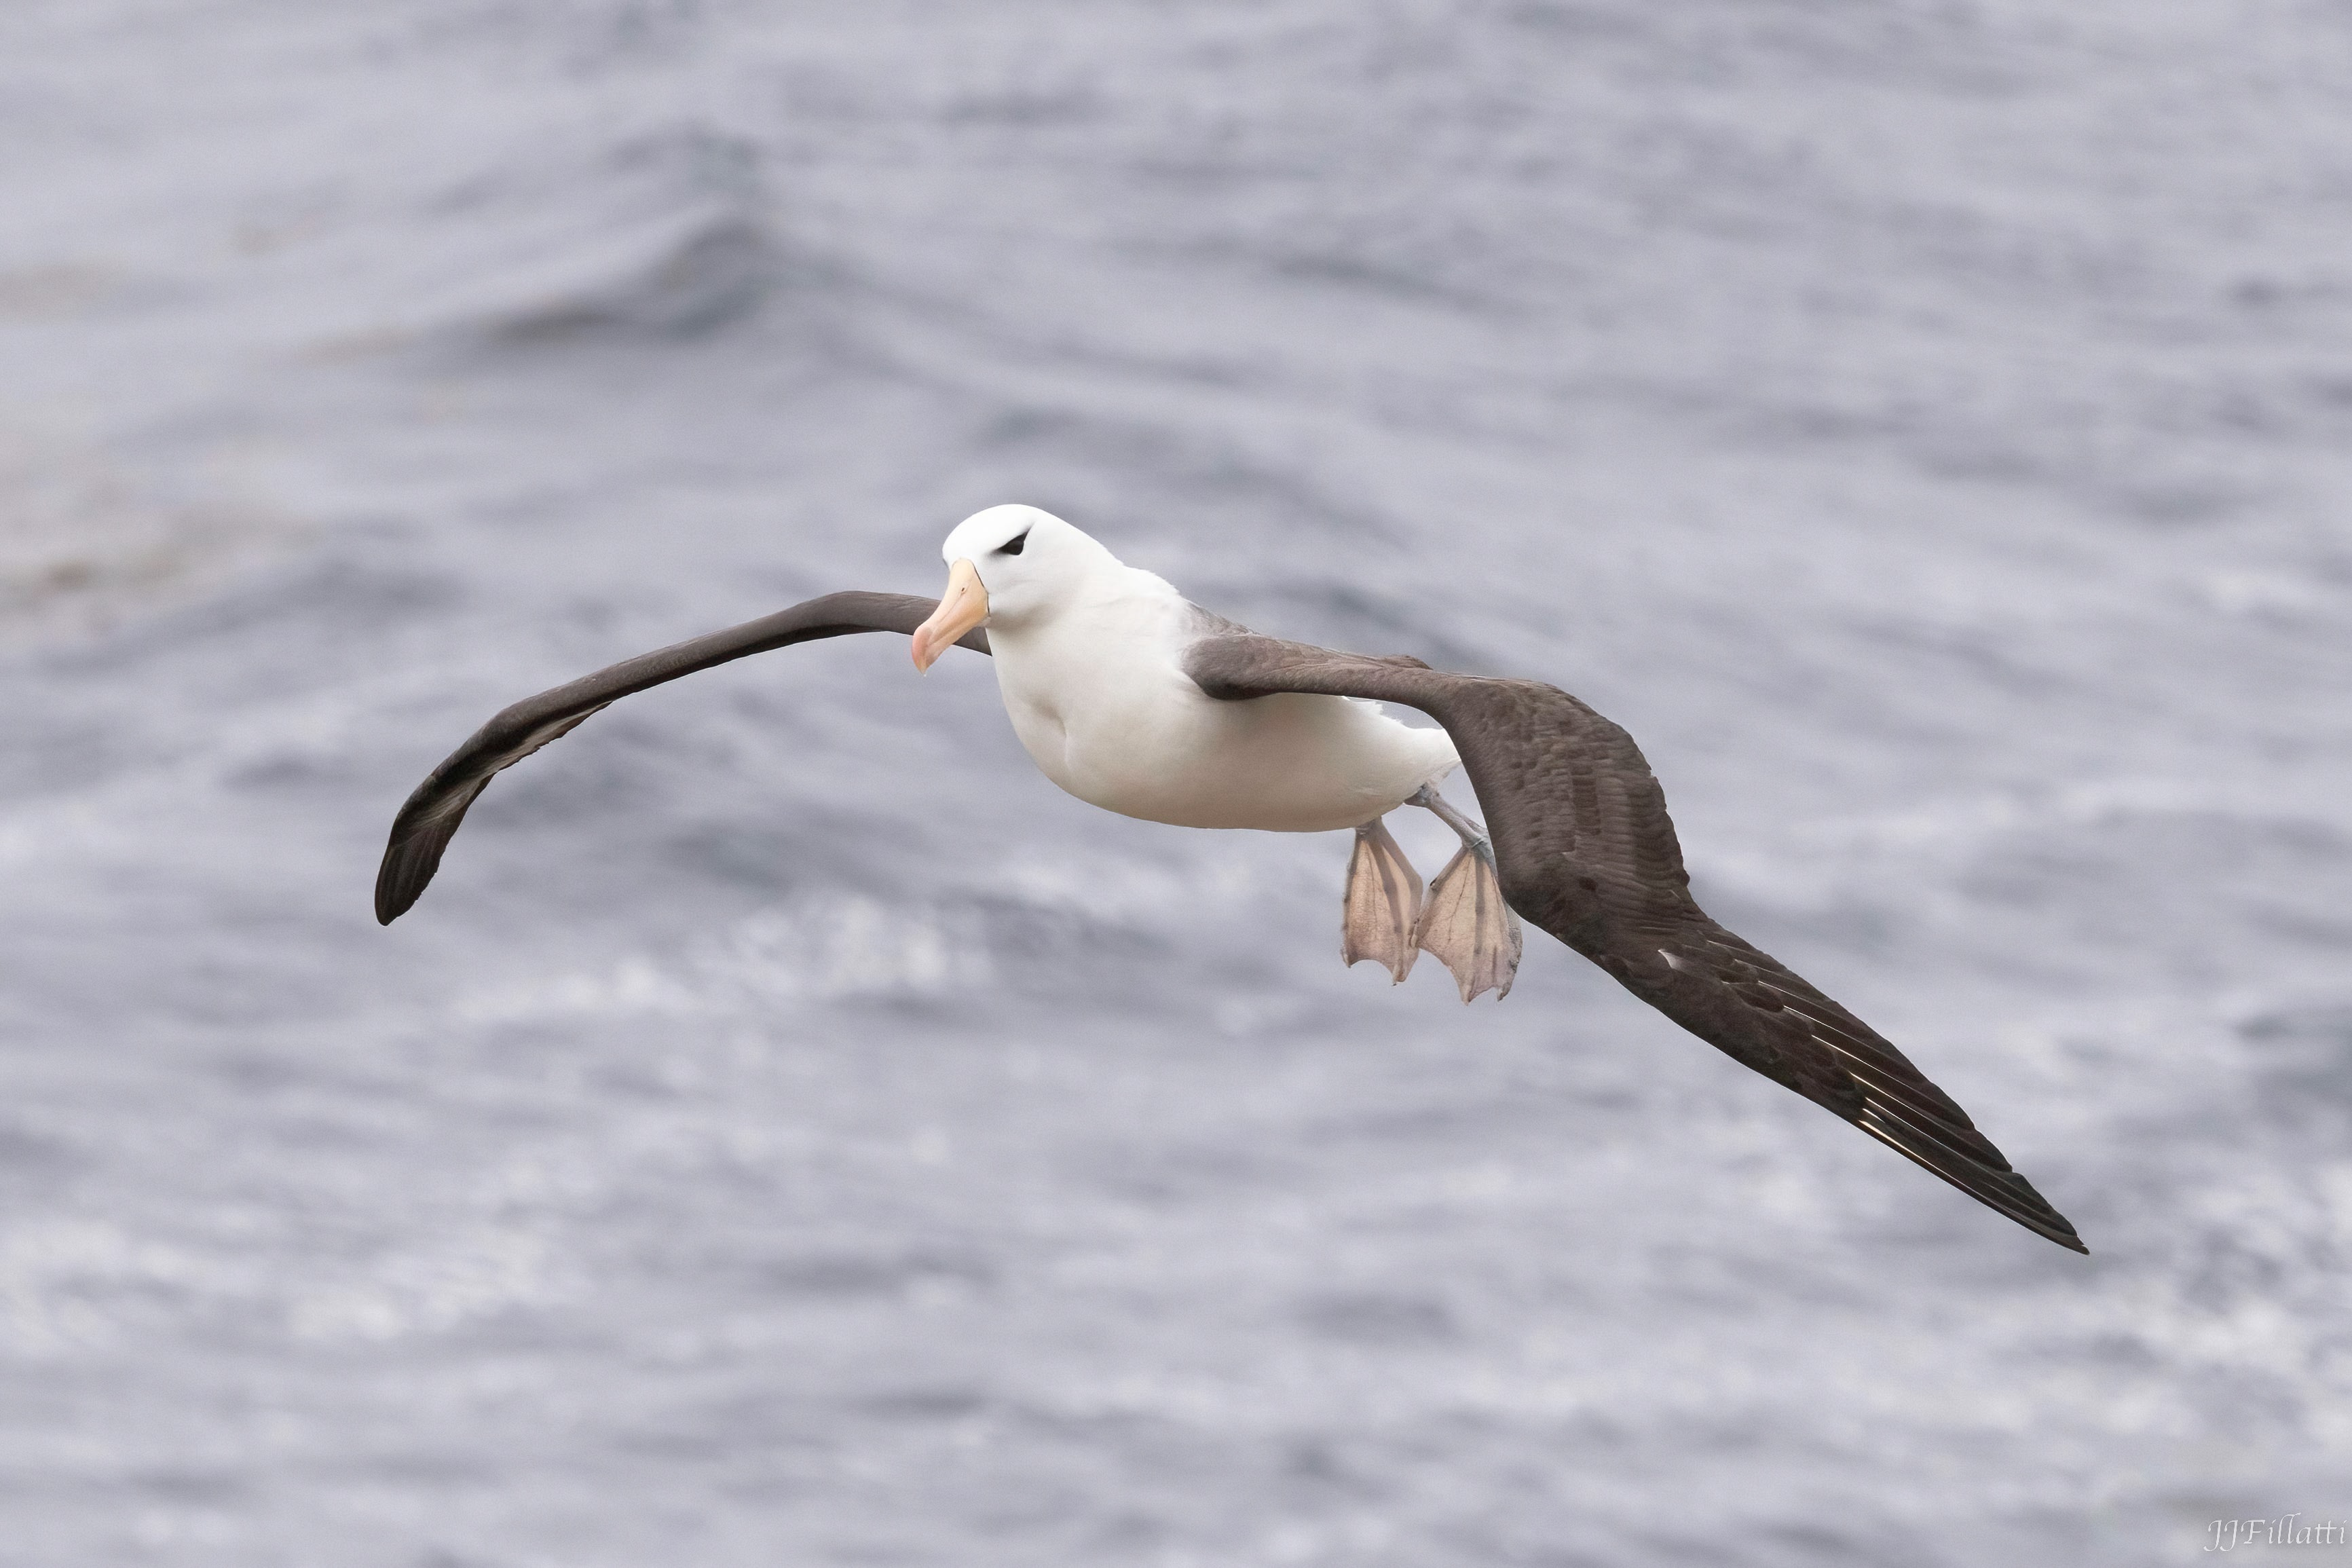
1465 921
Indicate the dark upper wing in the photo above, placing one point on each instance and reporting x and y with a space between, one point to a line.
424 827
1585 849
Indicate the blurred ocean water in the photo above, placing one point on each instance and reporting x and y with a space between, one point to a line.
790 1132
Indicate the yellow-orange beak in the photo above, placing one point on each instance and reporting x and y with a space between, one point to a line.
964 607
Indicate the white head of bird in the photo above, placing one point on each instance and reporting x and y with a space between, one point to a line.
1009 566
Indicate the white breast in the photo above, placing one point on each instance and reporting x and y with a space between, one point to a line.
1099 698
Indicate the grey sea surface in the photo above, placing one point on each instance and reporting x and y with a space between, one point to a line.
790 1133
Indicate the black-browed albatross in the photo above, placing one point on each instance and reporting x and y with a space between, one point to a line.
1132 698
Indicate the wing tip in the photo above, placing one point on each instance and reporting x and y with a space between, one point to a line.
409 862
393 898
2005 1193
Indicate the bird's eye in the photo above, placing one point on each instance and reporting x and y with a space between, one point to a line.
1013 546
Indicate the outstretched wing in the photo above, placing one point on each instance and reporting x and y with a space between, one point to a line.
1584 848
426 823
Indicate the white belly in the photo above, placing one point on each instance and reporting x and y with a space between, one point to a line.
1118 723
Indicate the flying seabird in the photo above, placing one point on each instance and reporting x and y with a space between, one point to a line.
1131 697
